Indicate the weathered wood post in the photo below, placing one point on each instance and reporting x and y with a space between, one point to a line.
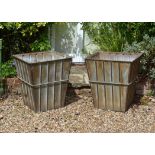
2 80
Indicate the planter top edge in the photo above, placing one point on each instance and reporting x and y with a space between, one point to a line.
114 56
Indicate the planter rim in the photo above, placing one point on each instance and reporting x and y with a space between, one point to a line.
16 56
92 56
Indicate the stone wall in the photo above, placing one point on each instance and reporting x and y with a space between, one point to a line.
145 86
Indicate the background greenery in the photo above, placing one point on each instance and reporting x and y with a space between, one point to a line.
147 46
7 69
21 37
112 36
129 37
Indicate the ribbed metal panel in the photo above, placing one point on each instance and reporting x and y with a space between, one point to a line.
44 77
112 79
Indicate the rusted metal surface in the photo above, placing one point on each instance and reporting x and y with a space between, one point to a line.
44 77
112 79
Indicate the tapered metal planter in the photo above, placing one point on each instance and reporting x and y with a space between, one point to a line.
44 77
112 79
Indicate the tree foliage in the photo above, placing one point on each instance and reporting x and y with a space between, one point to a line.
113 36
7 69
21 37
129 37
147 46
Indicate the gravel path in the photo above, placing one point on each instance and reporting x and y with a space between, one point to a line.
78 115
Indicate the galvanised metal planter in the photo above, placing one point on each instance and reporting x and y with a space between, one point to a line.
112 78
44 77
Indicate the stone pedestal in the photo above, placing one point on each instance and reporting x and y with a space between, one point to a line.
78 76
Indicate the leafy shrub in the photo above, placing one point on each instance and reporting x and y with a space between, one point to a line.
147 46
7 69
21 37
42 44
107 36
112 36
